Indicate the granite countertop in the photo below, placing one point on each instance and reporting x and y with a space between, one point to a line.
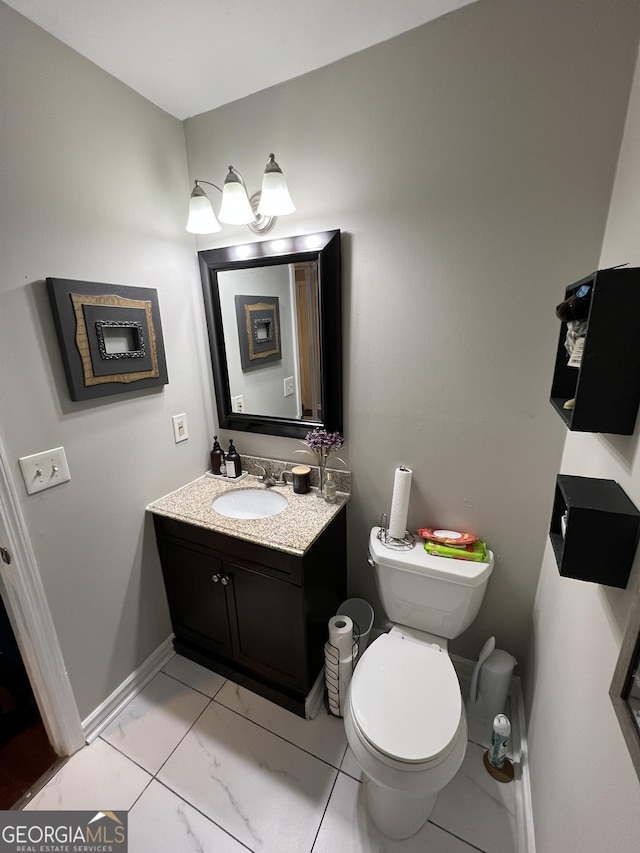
293 530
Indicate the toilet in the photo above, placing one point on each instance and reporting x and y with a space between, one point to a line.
404 716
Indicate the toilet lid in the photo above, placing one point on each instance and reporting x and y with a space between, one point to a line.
405 698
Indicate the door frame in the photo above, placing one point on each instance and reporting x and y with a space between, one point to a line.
26 603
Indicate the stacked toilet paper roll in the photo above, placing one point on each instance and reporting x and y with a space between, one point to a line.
400 502
338 662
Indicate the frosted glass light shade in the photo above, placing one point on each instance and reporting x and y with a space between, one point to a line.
275 199
235 208
202 219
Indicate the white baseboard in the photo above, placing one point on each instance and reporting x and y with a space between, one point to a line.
125 692
524 812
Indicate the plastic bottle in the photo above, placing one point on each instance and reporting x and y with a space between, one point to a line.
234 462
217 457
329 489
576 307
499 740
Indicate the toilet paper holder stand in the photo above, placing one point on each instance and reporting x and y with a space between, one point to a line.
406 543
335 677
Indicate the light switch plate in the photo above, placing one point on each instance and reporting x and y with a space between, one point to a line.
237 404
43 470
288 386
180 428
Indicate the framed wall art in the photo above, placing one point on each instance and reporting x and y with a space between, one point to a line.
110 337
258 320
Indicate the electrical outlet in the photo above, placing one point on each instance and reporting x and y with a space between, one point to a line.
288 386
180 428
237 404
43 470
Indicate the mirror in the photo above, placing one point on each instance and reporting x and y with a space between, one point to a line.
273 313
625 685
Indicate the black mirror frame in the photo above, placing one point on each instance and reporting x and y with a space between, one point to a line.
326 251
628 660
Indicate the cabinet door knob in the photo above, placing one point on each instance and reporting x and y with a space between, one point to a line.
225 580
215 578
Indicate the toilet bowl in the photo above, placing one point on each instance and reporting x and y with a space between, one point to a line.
404 716
406 725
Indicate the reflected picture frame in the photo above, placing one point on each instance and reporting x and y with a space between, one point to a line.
258 319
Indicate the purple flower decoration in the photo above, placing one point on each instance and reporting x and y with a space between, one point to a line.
322 444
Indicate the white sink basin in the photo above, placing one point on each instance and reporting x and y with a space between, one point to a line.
249 503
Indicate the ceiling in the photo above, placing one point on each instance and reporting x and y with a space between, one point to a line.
190 56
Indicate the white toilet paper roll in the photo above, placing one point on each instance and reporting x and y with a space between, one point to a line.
341 635
400 502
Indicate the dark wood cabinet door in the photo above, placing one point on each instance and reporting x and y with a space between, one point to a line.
197 602
267 620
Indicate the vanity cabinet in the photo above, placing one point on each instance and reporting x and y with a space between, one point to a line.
605 387
252 613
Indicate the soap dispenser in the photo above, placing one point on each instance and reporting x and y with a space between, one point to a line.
217 457
234 462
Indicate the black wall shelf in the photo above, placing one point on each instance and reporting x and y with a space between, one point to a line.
606 386
601 535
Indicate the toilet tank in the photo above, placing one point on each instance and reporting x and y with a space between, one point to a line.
438 595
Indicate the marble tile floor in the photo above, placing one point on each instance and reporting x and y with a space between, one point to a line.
201 764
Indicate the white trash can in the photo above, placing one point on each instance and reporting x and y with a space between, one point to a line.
494 682
362 615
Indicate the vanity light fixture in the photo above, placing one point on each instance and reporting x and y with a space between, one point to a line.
259 213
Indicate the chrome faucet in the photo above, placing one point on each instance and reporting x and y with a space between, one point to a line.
268 479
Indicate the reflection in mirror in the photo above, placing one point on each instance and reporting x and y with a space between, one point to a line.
625 686
273 315
271 339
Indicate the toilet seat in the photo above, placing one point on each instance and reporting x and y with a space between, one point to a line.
405 700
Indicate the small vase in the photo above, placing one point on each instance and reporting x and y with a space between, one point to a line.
322 476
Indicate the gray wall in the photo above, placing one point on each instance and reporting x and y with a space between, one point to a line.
469 164
94 187
575 742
